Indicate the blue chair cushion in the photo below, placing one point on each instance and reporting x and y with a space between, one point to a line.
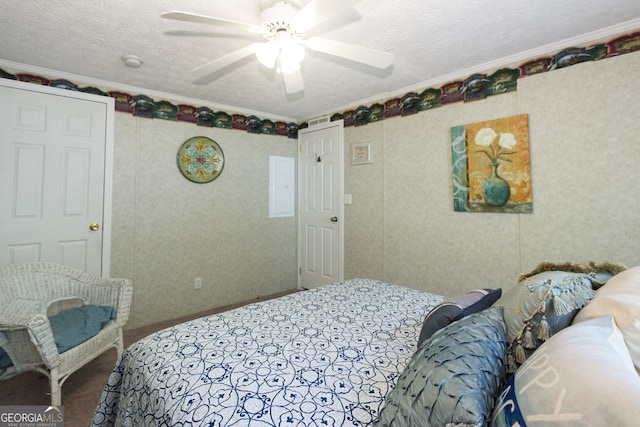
76 325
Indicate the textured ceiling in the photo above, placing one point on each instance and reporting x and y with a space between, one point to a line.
432 40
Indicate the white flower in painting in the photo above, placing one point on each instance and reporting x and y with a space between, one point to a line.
507 140
485 137
498 144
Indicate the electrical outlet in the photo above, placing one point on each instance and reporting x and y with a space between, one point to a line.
198 283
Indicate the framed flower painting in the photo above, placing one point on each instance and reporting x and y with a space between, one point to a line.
491 166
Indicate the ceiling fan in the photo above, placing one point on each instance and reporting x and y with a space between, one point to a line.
284 25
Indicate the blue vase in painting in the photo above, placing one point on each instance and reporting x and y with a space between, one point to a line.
495 190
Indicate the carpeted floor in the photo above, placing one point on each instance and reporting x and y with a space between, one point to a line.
81 392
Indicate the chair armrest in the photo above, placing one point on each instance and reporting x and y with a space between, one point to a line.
20 310
16 329
125 295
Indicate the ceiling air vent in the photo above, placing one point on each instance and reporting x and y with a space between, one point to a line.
319 121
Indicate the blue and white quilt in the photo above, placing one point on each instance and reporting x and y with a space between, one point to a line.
323 357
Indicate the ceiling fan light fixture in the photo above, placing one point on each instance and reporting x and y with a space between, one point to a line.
268 54
291 55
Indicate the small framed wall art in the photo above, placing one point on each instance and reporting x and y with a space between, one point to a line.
361 154
200 159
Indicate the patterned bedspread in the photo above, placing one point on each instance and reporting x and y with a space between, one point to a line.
323 357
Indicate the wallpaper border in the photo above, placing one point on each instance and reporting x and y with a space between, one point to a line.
475 87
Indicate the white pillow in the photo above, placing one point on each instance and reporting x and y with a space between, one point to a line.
620 297
582 376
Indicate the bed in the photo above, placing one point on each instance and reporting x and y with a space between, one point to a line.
322 357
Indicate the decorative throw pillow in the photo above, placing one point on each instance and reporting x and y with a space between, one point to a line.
621 298
581 376
540 306
454 377
599 274
455 309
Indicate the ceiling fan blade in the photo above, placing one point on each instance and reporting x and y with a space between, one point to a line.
293 81
318 11
364 55
223 61
209 20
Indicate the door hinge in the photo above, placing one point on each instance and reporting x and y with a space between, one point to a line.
300 272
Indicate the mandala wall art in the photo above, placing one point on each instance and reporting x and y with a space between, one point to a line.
200 159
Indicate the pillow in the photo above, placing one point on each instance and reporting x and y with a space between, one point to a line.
581 376
598 273
540 306
621 298
454 377
456 308
76 325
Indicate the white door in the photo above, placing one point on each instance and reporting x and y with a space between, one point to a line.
53 158
320 225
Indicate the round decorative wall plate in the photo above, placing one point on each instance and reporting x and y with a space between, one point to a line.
200 159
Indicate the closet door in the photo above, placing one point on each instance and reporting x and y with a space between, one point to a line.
54 156
321 212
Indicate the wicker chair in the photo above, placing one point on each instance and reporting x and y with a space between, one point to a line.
27 293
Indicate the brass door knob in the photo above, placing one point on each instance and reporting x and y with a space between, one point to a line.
93 226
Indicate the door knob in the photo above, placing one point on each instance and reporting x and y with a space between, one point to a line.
93 226
334 219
